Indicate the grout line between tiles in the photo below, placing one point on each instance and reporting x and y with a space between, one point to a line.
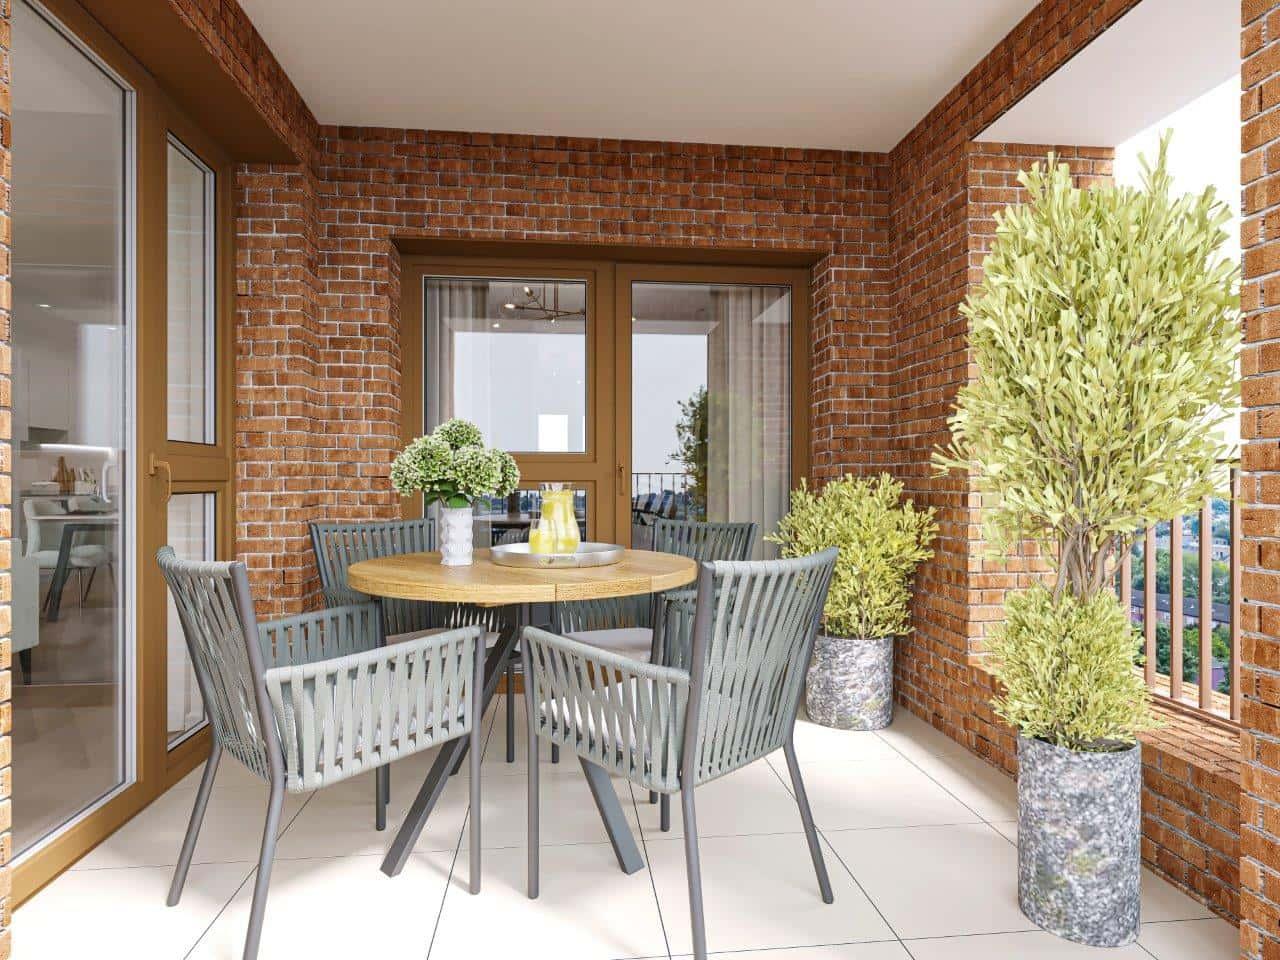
648 862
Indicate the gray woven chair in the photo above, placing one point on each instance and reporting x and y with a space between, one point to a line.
671 729
624 624
338 545
310 700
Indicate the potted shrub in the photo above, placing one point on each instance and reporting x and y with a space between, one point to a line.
882 539
452 466
1105 335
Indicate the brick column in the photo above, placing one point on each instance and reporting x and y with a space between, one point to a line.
1260 430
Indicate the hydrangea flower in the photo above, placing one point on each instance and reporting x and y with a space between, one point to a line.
452 465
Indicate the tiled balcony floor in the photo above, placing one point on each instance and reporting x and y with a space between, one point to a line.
918 838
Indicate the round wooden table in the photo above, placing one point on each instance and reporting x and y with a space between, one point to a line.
421 576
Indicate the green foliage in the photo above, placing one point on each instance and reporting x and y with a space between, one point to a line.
1067 670
1221 649
1105 334
452 465
881 539
691 453
1190 576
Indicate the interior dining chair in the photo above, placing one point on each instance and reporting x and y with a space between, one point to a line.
314 699
338 545
671 729
44 530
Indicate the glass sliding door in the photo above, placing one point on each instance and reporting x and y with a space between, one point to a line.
73 741
519 353
712 407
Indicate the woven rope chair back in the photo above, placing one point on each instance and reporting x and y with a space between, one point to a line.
338 545
216 613
752 637
704 541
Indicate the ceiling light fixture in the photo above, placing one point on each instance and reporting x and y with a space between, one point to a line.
45 306
536 306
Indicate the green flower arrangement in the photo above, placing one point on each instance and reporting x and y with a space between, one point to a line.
452 465
882 539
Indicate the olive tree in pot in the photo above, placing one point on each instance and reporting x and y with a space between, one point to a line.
882 539
1105 333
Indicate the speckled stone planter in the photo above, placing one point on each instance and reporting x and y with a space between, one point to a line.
1079 836
850 683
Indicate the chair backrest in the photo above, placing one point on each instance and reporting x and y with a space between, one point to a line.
216 613
33 509
513 535
338 545
704 541
753 634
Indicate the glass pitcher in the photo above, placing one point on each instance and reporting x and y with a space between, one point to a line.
557 527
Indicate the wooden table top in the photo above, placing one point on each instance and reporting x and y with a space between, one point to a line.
420 576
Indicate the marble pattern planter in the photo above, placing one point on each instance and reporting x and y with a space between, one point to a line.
849 685
1079 841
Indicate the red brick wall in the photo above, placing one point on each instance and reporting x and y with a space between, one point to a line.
1260 675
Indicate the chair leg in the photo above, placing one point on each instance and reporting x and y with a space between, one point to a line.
511 711
259 906
693 865
653 796
664 813
84 595
555 753
381 794
193 826
534 812
475 806
806 817
24 661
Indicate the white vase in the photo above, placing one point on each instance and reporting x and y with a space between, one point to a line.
455 536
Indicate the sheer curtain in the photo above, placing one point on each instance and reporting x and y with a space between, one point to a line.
749 407
450 305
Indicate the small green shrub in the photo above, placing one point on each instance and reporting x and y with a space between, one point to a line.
1067 671
881 539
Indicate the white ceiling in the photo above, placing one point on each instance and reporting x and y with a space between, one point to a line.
849 74
1157 58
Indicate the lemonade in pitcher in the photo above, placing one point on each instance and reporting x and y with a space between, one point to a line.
557 527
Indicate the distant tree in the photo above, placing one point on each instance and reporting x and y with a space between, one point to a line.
1190 653
691 452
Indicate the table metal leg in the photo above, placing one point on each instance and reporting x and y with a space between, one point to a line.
615 821
450 754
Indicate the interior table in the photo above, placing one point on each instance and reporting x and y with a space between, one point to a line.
421 576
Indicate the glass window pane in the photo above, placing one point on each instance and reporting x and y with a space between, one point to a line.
511 356
190 305
192 536
507 520
69 607
711 404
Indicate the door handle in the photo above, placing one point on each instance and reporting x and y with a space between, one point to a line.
154 466
622 477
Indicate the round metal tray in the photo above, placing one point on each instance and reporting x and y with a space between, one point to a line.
588 555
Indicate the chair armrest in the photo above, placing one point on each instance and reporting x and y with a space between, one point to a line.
339 716
321 634
615 711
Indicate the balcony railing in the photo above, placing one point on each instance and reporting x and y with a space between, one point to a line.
660 495
1190 637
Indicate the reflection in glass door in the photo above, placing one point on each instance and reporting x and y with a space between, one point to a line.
710 404
72 622
516 356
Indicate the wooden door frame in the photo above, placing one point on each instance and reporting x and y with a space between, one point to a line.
609 404
196 470
593 469
801 360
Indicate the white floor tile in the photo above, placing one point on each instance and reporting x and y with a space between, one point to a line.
760 893
816 742
588 909
748 801
336 907
891 950
232 828
339 820
988 792
1017 946
888 793
912 737
1161 900
1213 939
937 881
567 813
110 914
